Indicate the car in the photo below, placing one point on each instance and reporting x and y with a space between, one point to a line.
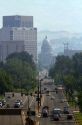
45 111
20 101
1 104
17 104
45 88
37 98
56 117
69 117
66 111
57 111
3 101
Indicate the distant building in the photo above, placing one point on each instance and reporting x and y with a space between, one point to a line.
18 28
70 52
45 57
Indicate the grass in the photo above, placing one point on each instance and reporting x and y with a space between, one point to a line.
78 118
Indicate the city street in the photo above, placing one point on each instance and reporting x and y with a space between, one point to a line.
52 99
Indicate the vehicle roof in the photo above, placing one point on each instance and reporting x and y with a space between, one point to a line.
57 109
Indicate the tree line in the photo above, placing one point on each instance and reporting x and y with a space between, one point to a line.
68 72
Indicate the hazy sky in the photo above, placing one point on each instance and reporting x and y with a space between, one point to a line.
48 14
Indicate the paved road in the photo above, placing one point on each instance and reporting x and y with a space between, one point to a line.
56 103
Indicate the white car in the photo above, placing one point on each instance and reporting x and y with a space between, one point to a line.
21 102
57 111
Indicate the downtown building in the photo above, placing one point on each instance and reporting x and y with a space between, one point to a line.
17 35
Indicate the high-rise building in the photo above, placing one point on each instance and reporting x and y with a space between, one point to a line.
18 21
12 32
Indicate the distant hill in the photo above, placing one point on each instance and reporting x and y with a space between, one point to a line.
57 40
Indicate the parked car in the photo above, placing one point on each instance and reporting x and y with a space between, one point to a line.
45 111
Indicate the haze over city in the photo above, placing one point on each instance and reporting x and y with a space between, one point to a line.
66 15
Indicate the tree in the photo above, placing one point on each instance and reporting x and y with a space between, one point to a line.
80 100
5 82
21 69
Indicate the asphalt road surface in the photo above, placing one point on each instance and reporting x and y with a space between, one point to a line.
55 103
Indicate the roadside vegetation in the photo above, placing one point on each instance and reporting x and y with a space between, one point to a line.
68 72
78 118
17 73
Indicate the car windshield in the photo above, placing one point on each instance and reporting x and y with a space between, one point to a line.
55 111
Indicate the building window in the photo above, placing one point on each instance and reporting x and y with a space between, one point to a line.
11 35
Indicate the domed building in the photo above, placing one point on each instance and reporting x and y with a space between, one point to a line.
45 57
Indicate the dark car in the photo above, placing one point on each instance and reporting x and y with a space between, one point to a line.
66 111
69 117
45 111
17 104
37 98
56 117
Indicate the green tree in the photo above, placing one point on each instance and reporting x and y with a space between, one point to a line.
5 82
